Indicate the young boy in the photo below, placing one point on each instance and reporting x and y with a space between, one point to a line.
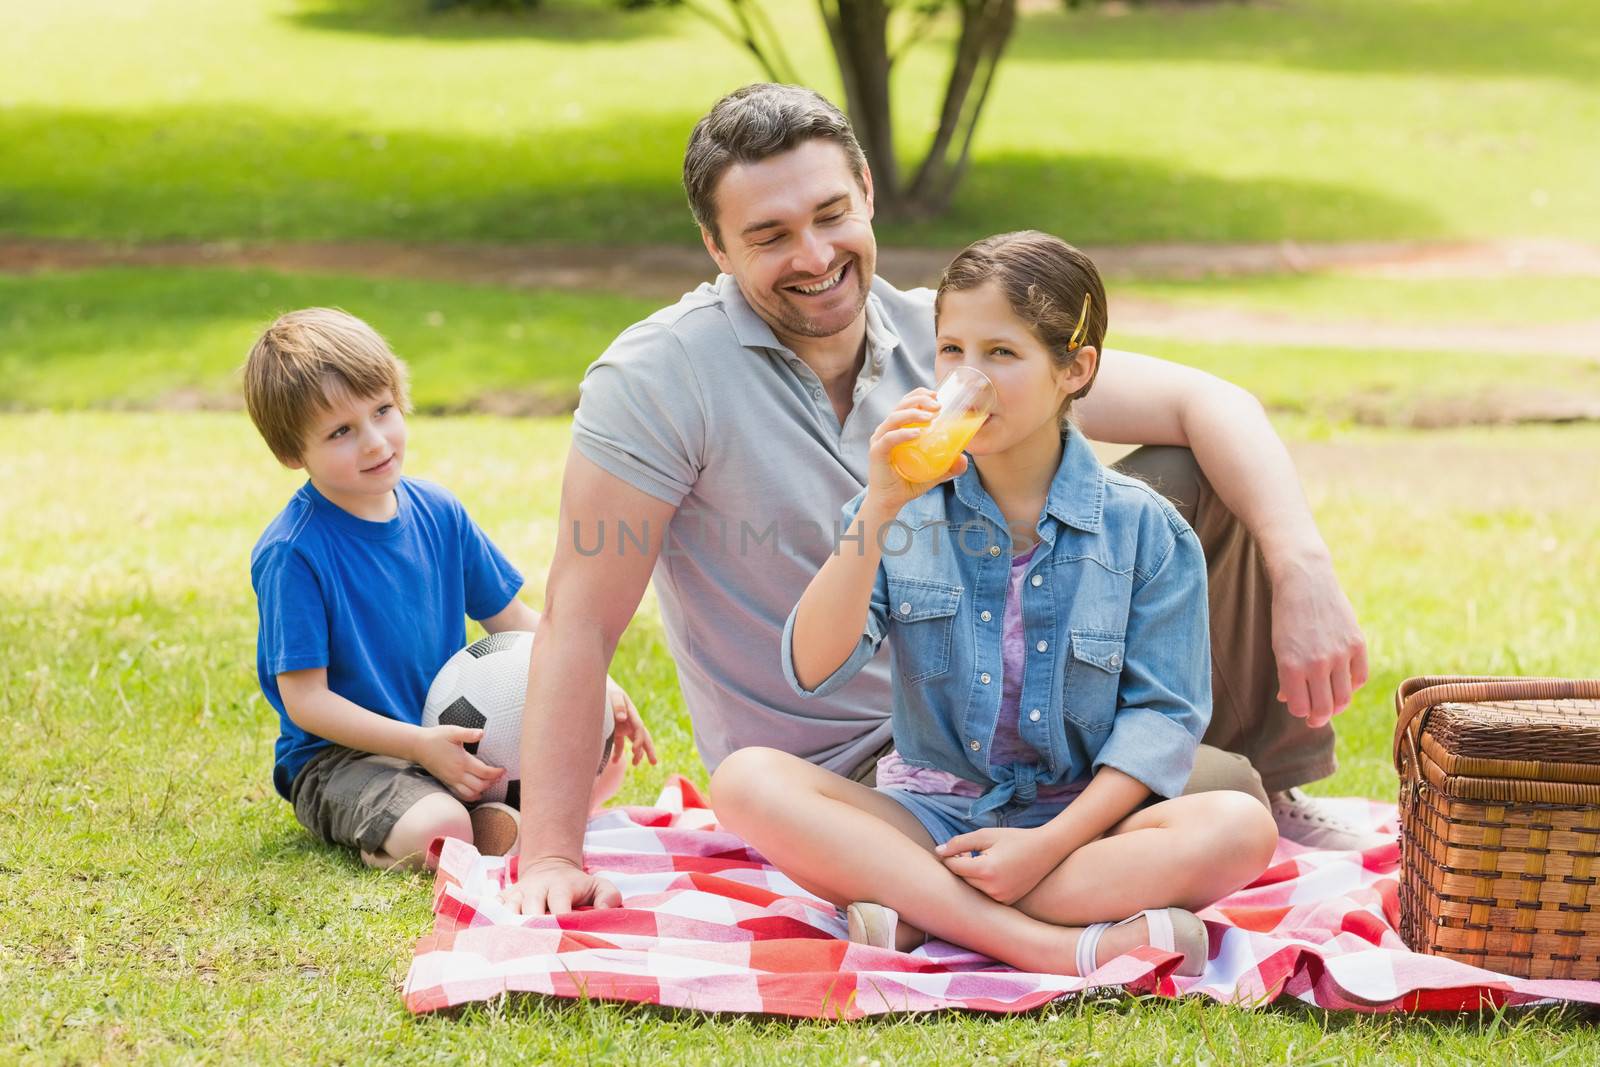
363 582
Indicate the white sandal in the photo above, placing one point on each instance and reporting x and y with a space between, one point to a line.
1171 930
873 924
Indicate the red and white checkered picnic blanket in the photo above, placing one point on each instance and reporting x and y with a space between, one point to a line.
708 925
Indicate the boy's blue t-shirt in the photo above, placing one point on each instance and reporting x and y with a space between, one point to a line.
381 605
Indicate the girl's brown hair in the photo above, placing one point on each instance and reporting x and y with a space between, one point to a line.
1045 280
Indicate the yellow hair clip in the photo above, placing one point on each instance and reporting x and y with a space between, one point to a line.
1082 327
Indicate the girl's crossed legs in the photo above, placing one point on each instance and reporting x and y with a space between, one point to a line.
846 842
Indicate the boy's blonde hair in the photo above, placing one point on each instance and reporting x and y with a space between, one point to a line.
291 368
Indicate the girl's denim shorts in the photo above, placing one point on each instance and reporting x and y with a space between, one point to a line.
945 815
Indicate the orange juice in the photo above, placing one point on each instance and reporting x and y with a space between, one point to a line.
929 457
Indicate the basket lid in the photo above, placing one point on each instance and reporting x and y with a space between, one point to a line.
1550 731
1549 726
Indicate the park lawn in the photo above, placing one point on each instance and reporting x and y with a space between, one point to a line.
175 338
1383 386
1329 296
162 904
1305 119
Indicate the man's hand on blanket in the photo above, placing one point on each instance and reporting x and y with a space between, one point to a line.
629 724
440 751
555 887
1009 863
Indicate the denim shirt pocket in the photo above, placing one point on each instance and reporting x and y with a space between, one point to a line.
922 618
1093 671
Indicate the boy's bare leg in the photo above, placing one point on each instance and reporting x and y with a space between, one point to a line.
406 847
1188 852
846 843
608 782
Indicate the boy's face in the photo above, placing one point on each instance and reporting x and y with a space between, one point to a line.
354 451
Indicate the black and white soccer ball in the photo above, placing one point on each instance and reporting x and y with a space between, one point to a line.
483 686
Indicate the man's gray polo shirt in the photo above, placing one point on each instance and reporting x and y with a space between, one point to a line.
700 406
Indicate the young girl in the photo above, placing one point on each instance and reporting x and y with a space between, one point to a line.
1047 620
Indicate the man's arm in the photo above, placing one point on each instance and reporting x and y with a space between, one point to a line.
1322 657
589 600
628 723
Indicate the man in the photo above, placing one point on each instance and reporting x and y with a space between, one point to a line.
716 441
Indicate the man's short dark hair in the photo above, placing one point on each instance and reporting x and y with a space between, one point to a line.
752 124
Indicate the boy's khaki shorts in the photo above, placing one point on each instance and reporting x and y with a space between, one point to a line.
353 798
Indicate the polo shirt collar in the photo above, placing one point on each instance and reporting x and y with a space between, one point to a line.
881 340
752 331
880 332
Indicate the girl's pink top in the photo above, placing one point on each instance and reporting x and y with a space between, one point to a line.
1008 746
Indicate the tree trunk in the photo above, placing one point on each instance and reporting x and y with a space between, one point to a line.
986 27
859 32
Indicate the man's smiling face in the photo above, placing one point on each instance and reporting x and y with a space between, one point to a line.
796 234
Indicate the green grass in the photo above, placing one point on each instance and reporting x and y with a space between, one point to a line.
371 118
161 904
174 338
1379 385
1508 301
141 338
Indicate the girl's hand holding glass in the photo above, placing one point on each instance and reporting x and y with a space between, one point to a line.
887 490
919 445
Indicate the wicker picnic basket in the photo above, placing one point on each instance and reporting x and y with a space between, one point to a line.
1500 822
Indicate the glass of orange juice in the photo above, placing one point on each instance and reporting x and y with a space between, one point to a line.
966 397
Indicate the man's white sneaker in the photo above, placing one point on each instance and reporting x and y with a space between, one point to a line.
1307 821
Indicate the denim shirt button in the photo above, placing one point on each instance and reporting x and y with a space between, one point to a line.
1043 646
1115 660
1033 716
905 608
984 677
974 744
987 616
994 550
1036 581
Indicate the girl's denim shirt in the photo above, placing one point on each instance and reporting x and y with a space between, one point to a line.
1114 609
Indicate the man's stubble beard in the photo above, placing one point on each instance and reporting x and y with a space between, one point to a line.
792 321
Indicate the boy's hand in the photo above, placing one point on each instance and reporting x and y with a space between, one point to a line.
628 724
439 751
1010 862
886 490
